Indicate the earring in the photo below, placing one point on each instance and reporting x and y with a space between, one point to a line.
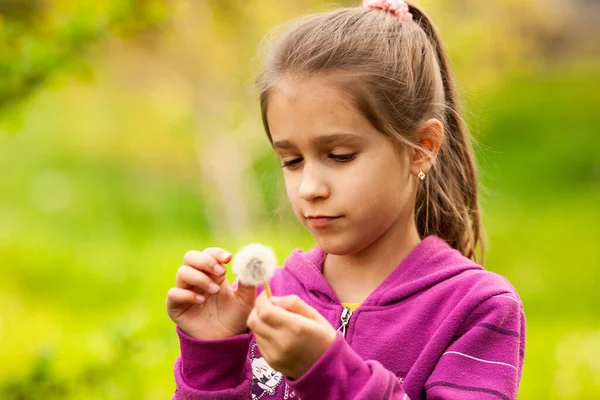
421 175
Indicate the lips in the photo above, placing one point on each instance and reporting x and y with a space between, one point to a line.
321 221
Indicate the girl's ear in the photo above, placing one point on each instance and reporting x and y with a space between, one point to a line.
429 137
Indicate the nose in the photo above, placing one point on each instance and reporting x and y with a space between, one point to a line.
312 184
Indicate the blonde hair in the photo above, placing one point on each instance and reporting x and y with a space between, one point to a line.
397 74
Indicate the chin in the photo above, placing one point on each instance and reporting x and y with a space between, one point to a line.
337 246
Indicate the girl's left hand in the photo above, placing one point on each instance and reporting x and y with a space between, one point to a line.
291 334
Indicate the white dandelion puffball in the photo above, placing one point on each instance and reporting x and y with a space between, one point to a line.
254 264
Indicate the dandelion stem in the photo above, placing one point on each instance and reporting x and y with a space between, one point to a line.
268 289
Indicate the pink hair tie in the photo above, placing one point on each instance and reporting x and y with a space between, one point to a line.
397 7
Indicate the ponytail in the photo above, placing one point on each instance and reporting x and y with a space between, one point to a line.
448 205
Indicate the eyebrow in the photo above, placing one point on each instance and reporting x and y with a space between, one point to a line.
320 141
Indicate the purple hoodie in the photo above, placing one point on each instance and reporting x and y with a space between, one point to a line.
438 327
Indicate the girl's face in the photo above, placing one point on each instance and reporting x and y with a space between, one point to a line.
347 183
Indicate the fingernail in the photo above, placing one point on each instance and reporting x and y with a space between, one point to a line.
213 288
225 255
200 299
219 269
275 300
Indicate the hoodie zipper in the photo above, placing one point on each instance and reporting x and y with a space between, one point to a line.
345 318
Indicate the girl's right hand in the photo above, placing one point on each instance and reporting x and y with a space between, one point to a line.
203 304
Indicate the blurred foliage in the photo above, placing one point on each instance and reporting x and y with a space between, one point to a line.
39 39
107 181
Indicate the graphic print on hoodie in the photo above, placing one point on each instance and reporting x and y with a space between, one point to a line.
265 380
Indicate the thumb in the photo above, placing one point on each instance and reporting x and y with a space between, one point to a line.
246 293
296 305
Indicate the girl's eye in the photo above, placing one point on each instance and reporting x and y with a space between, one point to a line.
291 163
342 157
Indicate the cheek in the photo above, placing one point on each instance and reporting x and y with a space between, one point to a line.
291 190
384 185
375 175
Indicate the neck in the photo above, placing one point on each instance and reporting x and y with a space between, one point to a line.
354 277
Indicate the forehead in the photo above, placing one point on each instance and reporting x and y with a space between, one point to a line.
301 110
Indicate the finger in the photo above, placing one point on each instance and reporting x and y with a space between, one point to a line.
203 261
219 254
265 345
177 297
262 304
262 299
259 327
188 277
296 305
246 293
272 315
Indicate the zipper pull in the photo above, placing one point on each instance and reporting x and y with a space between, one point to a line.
345 318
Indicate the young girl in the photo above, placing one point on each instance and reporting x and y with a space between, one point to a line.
360 106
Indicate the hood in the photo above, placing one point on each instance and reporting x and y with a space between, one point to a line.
432 261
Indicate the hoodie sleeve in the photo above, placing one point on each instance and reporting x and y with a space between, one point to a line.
484 362
486 359
212 370
340 373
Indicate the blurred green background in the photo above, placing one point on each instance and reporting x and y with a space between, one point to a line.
130 133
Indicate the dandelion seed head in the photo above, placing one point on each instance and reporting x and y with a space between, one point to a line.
254 264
